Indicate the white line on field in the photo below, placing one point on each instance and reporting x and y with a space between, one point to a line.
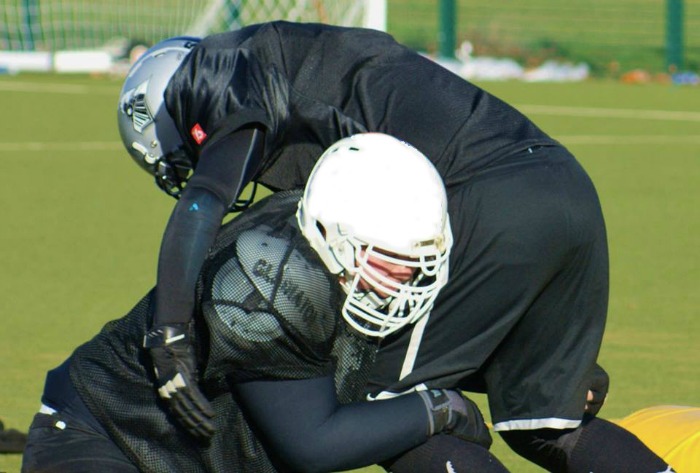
610 113
36 87
13 86
623 140
62 146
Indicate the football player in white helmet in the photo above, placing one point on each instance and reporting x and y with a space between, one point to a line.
530 258
284 374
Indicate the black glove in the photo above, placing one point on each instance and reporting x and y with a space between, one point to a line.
597 390
12 440
453 413
174 365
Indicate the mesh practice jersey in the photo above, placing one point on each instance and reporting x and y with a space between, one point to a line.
310 85
268 311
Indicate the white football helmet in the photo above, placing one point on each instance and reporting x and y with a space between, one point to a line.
371 196
147 130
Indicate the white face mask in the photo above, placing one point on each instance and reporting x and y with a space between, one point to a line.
379 304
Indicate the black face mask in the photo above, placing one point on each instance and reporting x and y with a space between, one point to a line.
172 173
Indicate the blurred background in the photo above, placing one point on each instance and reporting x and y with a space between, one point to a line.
611 38
616 82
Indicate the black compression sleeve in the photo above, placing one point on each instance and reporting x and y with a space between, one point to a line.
444 454
596 445
604 446
310 431
191 231
224 168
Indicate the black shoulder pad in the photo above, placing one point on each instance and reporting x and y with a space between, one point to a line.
298 288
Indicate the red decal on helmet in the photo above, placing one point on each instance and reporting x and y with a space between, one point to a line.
198 134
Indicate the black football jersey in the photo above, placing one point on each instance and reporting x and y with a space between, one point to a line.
267 310
310 85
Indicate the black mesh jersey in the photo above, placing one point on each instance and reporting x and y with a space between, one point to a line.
267 310
310 85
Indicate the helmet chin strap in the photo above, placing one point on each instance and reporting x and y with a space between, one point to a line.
369 297
371 300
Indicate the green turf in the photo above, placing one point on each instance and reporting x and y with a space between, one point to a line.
612 37
81 227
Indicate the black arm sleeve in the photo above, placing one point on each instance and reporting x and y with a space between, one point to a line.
223 170
310 431
188 236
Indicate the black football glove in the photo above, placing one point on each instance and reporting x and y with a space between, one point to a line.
174 365
597 390
453 413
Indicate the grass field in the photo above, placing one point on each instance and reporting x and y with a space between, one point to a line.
81 227
612 37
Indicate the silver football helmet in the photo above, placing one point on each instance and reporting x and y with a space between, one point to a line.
147 130
372 198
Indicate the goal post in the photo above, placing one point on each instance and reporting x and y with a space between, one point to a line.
238 13
113 26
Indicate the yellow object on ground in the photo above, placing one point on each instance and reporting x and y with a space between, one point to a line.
672 432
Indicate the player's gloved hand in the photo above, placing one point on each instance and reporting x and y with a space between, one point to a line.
597 391
453 413
174 365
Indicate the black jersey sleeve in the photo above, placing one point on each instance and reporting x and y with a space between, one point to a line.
228 164
305 425
220 88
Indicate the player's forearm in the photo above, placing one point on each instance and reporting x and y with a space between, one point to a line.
366 433
310 431
218 179
191 231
